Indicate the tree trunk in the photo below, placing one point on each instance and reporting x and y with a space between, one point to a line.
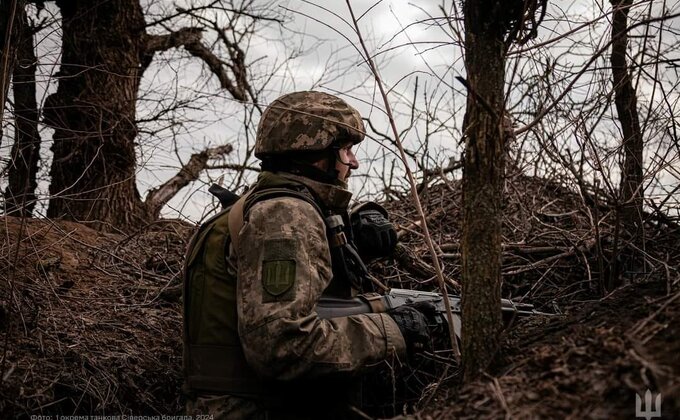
93 114
632 194
20 192
8 35
482 185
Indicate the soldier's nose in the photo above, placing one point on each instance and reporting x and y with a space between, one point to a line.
353 162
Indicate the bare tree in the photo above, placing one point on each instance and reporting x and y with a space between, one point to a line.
105 51
632 189
23 168
490 26
8 35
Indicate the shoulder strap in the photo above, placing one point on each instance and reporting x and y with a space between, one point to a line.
236 220
243 205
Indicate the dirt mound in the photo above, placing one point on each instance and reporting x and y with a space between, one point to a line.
561 251
588 364
98 329
558 245
92 321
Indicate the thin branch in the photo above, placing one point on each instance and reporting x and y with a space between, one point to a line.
182 12
4 70
190 39
578 75
412 181
183 36
159 196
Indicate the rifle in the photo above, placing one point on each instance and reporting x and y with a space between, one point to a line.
329 307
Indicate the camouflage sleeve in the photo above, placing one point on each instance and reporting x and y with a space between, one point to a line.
284 265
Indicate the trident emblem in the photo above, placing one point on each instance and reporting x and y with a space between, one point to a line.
651 407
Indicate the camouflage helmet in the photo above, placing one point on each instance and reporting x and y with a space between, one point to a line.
306 121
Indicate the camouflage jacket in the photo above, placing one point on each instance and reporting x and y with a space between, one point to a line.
283 265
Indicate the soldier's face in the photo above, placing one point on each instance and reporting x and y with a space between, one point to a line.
346 162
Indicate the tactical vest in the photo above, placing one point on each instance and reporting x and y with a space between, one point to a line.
213 359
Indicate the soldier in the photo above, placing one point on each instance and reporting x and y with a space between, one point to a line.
254 347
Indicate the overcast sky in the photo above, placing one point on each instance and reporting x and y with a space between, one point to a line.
413 44
329 61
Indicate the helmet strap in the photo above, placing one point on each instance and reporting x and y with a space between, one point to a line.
332 157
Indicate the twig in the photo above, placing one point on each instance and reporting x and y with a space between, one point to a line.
586 246
498 393
189 172
412 181
641 325
5 62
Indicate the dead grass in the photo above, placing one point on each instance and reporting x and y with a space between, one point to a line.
91 322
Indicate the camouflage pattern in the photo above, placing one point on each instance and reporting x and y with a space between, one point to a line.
282 337
306 121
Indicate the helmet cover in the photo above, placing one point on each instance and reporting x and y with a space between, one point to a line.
307 121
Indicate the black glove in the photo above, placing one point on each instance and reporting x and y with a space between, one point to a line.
374 235
413 325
